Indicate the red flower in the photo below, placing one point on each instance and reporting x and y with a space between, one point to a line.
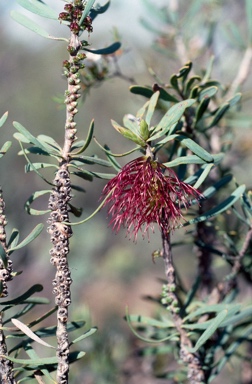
146 192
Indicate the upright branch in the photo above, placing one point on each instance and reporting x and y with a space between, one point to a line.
61 193
191 360
6 366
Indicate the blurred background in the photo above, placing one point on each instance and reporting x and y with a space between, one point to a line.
109 272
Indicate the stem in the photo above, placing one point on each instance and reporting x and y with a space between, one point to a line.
58 204
6 366
195 373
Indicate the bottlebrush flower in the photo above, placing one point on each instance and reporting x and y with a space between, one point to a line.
146 192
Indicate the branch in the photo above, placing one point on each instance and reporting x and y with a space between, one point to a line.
195 372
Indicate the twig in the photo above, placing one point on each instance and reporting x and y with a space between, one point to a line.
195 373
242 73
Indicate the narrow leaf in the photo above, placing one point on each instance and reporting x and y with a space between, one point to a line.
210 330
171 117
3 119
99 9
5 148
21 299
28 23
105 51
3 256
90 332
42 361
195 148
88 6
249 20
27 331
151 107
34 233
29 136
39 8
219 208
32 198
34 166
88 139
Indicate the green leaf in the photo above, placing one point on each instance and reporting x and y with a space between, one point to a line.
86 175
244 313
34 27
151 107
249 20
105 51
42 361
140 320
132 123
171 117
207 93
212 308
235 99
22 299
28 332
48 140
39 8
32 235
104 176
31 199
210 191
89 160
195 148
209 69
210 330
88 139
189 84
34 166
90 332
30 137
174 82
3 256
14 237
218 115
189 159
203 176
230 351
5 148
148 92
88 6
99 9
3 119
219 208
128 134
201 109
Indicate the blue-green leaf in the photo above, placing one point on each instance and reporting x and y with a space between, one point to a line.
210 330
38 8
171 117
90 332
32 235
21 299
249 20
28 23
220 207
5 148
105 51
151 107
33 166
99 9
3 119
88 6
31 199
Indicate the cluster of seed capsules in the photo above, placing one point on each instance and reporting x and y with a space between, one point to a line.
5 265
72 14
60 234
